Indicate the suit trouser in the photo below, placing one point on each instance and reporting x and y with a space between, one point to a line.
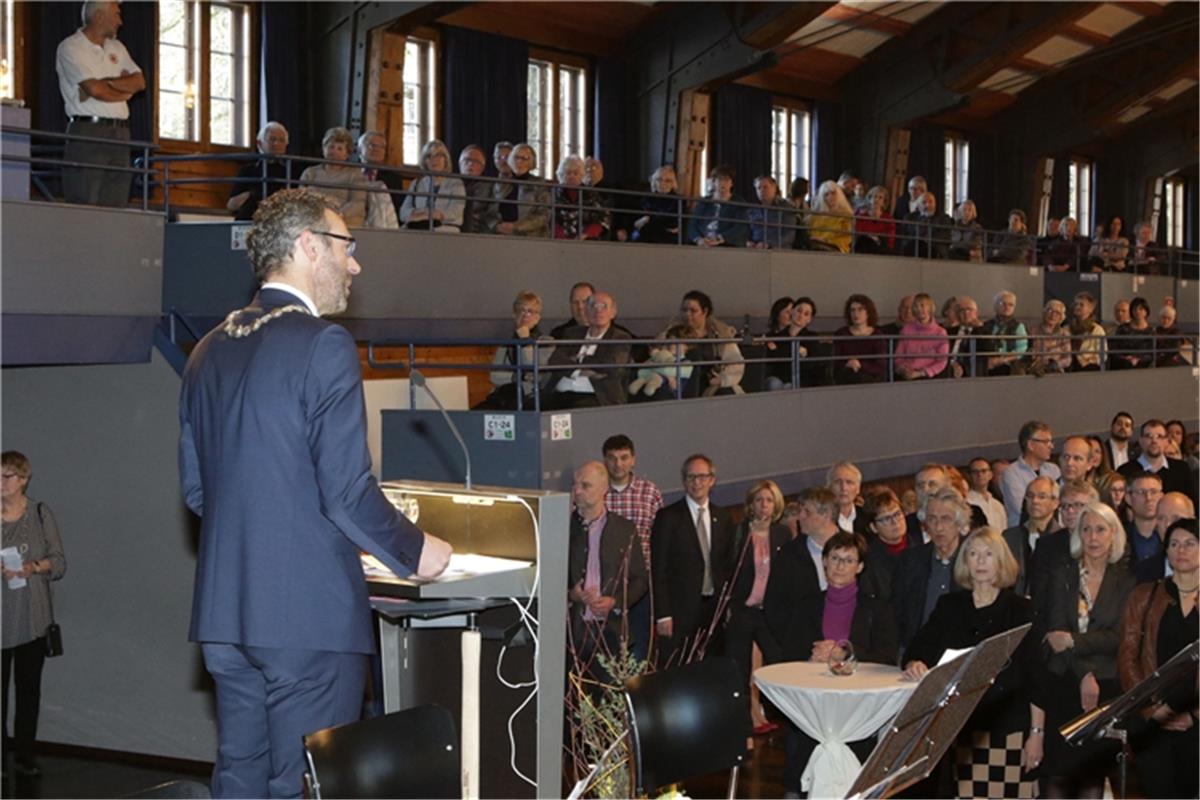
268 699
97 187
24 663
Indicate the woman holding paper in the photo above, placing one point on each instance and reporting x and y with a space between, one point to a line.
32 556
1006 721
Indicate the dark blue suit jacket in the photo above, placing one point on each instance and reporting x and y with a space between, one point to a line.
273 458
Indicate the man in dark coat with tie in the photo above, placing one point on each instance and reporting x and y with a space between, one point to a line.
691 559
273 458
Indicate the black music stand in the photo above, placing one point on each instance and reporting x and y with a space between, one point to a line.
934 714
1101 722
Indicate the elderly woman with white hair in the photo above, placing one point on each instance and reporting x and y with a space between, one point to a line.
343 183
1003 344
831 223
999 726
437 199
1051 349
533 196
1085 601
1167 339
659 222
577 214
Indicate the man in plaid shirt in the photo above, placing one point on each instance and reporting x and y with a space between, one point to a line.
636 499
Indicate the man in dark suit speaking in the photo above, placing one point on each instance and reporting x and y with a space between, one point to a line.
273 458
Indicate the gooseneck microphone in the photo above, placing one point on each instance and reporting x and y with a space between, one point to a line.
418 379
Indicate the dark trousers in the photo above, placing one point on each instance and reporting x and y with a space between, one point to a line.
268 699
1166 762
97 187
681 646
747 626
24 662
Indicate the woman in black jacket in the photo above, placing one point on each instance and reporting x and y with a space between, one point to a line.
986 567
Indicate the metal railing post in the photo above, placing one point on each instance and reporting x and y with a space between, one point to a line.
412 386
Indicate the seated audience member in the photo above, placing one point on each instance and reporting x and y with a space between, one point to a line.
436 200
1068 251
533 216
911 203
372 154
607 573
865 360
1036 443
527 314
849 183
962 334
845 481
756 540
504 191
1085 601
578 301
342 183
666 367
715 221
778 374
1041 505
772 223
925 571
979 475
950 313
1097 458
1176 432
1142 254
269 170
1112 488
927 230
966 240
1042 243
798 198
847 611
874 225
812 373
904 316
1006 727
1159 620
606 344
725 377
831 223
1051 351
593 176
659 222
1003 345
1132 345
1172 506
480 214
1044 552
1013 246
1167 340
1153 459
1087 335
1109 249
923 345
577 214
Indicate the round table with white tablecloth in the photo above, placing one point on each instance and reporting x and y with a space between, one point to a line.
834 710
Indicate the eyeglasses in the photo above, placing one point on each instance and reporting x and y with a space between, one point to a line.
352 242
843 561
698 476
1042 441
1073 506
888 519
1145 492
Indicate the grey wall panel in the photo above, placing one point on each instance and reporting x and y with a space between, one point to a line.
102 441
205 276
981 282
63 259
1188 302
794 436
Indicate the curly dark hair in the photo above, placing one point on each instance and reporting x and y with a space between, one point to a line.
865 302
278 221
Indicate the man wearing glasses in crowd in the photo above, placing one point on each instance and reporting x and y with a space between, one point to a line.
1172 472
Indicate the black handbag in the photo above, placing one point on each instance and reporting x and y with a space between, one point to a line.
53 636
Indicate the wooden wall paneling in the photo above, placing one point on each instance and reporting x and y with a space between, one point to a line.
1152 206
896 162
1043 188
693 137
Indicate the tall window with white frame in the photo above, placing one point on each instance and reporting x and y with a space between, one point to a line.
420 96
1080 177
208 101
557 104
958 168
1174 207
791 145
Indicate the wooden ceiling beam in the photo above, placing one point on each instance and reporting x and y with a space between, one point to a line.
862 18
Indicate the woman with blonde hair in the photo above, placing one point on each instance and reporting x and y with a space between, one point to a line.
758 537
437 199
533 196
832 219
996 730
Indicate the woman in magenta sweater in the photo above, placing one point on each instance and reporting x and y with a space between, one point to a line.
923 357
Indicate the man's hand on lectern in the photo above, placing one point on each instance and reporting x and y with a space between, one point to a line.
435 557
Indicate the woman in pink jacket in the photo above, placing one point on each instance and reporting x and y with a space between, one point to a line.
923 357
